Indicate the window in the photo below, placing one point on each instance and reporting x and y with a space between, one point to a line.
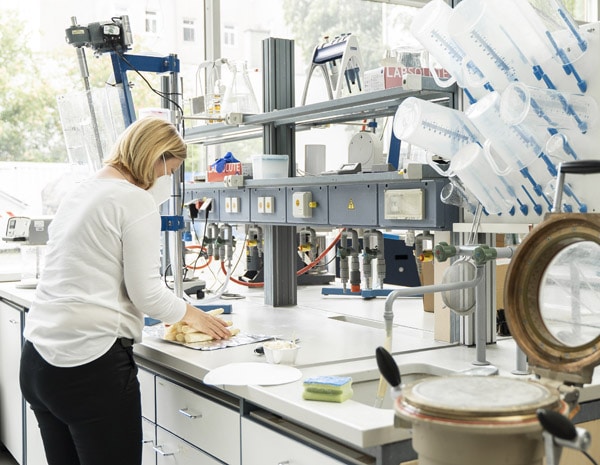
228 35
151 22
189 30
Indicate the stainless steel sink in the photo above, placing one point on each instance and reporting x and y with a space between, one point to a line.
359 321
365 384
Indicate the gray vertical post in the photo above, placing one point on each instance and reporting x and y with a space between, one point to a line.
280 241
173 241
85 75
468 329
481 319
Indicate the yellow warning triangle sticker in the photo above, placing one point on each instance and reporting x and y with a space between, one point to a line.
350 205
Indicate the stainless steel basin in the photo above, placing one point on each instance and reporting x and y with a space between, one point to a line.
365 384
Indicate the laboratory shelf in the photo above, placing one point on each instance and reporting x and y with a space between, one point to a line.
270 205
347 109
341 200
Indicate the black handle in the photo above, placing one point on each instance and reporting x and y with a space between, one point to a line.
556 424
580 167
387 366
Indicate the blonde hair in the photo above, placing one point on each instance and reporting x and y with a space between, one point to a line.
143 143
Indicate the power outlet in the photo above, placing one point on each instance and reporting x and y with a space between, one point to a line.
269 204
301 205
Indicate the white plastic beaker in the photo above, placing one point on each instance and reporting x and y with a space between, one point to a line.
516 145
436 128
570 42
32 261
476 174
558 149
547 108
430 28
482 28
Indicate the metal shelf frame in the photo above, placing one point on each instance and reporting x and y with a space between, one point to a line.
278 125
343 110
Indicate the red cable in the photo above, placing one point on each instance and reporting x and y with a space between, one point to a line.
299 272
320 257
208 261
237 281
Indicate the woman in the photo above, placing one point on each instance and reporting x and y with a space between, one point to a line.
102 274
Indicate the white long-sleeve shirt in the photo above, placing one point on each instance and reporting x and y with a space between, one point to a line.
101 274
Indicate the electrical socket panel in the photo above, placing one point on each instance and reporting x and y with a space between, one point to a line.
266 205
301 204
269 205
232 204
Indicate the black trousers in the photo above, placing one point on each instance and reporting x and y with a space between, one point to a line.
90 414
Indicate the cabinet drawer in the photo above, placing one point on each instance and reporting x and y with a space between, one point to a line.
281 449
11 407
148 443
33 443
199 420
146 380
170 450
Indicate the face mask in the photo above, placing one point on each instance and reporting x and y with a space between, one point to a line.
161 189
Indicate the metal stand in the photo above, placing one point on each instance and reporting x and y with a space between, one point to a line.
280 241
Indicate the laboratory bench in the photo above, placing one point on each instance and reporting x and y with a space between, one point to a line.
233 423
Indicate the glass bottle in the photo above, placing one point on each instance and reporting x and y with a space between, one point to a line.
239 96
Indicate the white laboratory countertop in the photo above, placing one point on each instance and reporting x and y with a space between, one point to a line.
338 336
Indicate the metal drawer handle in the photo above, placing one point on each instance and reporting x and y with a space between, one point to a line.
147 441
287 462
159 450
184 411
14 322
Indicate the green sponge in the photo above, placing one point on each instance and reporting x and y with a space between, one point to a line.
328 388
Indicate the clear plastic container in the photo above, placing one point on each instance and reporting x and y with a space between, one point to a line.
430 28
548 108
516 145
32 261
438 129
494 35
268 166
476 174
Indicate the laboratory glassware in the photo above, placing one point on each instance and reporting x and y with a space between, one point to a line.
499 40
475 172
239 96
436 128
547 108
430 28
517 146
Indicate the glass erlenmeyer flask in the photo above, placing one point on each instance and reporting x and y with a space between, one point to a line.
239 96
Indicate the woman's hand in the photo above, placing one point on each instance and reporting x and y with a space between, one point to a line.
206 323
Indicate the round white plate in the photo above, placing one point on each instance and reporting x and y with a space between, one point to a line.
242 374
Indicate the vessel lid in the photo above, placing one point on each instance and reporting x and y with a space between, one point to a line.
552 296
476 399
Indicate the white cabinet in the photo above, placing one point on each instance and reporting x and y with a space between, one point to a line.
202 422
170 450
263 446
148 442
34 444
11 401
146 380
